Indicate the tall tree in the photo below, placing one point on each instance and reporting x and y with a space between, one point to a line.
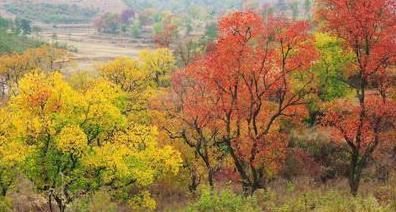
254 79
367 27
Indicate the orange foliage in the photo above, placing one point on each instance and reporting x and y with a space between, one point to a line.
246 86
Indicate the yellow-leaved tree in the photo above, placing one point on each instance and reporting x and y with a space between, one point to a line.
128 74
74 142
159 63
14 66
140 79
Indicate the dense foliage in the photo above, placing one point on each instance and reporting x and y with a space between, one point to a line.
252 109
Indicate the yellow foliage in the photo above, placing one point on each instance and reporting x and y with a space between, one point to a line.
127 73
72 139
135 154
143 201
64 132
14 66
159 63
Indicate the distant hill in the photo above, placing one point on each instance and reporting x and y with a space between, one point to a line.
115 6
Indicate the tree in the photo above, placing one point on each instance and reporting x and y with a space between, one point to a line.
108 23
307 8
159 63
254 80
4 23
132 79
139 77
23 26
165 31
136 28
80 141
191 126
14 66
331 80
187 49
294 6
367 27
12 152
127 15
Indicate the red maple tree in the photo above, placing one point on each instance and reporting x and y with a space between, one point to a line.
368 29
167 35
253 80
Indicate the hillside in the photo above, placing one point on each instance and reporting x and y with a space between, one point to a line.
115 6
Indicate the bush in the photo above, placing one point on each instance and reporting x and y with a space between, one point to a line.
225 200
332 202
100 201
5 204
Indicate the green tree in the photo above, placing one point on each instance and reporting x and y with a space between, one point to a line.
23 26
330 69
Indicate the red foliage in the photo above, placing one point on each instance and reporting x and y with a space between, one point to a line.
167 35
344 118
246 86
368 29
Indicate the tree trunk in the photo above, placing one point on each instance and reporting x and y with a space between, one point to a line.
355 174
249 189
246 188
61 206
195 180
354 185
50 202
4 190
210 178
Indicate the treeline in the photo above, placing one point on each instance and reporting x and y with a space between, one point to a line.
13 35
52 13
185 5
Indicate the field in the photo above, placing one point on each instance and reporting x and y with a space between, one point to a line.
114 6
91 47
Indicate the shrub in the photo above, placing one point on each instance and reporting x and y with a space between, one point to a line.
332 202
100 201
5 204
225 200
